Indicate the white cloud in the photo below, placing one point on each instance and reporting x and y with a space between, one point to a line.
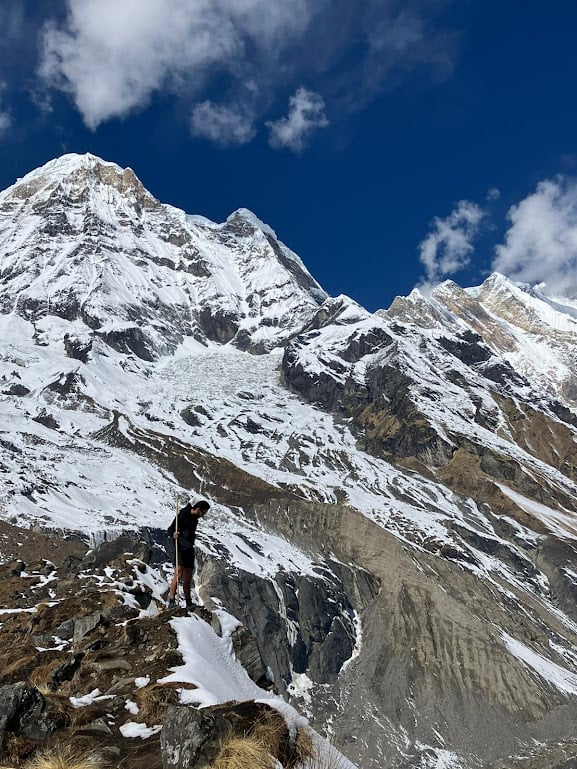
222 125
112 56
541 244
449 247
306 114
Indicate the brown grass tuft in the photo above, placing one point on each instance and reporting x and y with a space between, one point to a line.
80 717
19 748
304 747
66 757
242 752
153 701
271 731
41 676
19 664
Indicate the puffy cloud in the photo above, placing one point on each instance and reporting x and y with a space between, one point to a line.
541 244
222 125
112 56
449 246
306 114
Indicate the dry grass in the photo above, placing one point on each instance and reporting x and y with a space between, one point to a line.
41 676
19 748
18 664
271 731
243 752
66 757
267 745
153 701
80 717
304 747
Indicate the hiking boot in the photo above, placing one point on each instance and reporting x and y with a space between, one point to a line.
171 604
189 604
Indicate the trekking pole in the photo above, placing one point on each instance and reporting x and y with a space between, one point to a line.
176 566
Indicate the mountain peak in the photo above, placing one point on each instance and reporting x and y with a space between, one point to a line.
70 163
82 239
84 171
248 216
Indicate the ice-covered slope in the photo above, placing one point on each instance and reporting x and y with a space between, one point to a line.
416 464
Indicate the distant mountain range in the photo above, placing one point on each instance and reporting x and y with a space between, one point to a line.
394 494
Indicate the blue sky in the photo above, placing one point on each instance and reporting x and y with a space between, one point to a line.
390 144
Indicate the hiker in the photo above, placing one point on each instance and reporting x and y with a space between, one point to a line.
184 533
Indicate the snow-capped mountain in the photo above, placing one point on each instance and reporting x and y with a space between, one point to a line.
393 494
83 240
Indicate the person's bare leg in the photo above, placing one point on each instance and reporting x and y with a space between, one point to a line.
187 582
174 583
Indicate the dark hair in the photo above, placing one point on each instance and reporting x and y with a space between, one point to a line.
201 505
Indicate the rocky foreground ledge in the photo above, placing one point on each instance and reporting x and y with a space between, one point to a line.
85 646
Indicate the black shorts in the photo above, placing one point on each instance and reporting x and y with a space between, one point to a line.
185 558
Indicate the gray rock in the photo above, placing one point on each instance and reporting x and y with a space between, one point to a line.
246 650
191 738
65 629
85 625
107 551
23 712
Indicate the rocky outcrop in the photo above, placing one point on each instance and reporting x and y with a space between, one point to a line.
301 623
25 713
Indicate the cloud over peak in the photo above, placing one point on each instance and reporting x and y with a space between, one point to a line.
541 244
223 125
449 246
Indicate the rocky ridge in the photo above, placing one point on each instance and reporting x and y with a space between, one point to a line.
91 668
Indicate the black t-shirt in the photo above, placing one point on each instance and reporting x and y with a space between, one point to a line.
187 524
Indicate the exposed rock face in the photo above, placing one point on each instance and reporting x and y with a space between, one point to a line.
302 624
23 713
434 636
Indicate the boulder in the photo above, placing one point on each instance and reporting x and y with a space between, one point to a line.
191 738
23 712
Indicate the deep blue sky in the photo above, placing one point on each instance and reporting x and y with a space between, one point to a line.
480 98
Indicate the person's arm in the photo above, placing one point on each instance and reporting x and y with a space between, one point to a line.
183 519
172 528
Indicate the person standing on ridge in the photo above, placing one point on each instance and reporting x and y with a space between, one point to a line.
183 530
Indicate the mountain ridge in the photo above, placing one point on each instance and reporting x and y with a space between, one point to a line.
415 464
